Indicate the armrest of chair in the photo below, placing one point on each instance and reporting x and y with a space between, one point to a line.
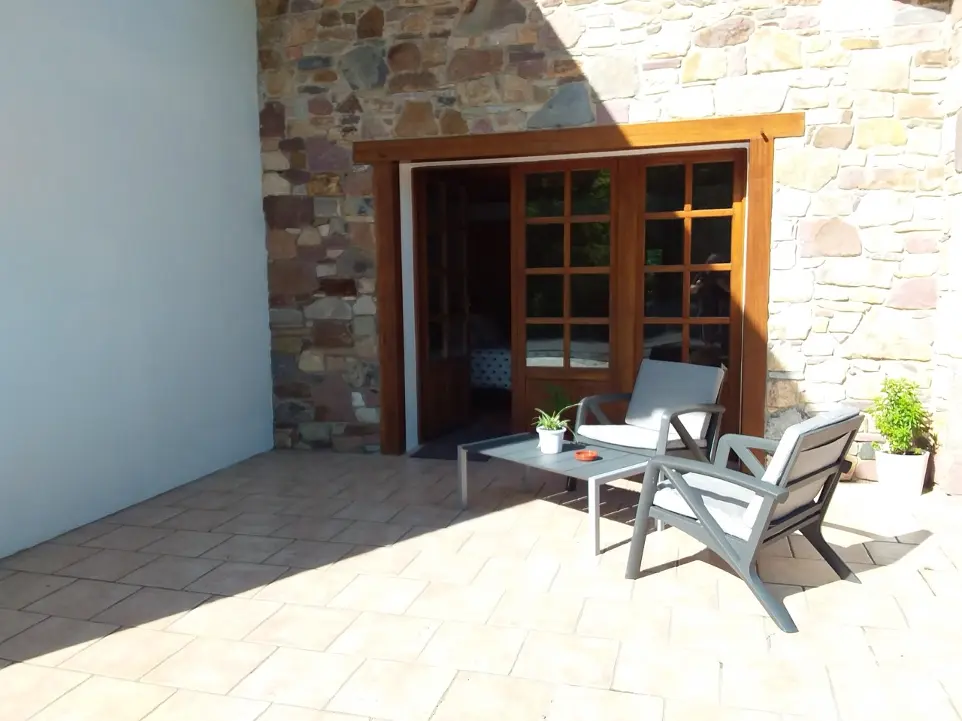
670 418
593 403
743 446
688 465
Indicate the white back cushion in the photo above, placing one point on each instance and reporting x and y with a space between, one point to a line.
664 384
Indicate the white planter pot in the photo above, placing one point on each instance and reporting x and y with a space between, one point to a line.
550 441
901 476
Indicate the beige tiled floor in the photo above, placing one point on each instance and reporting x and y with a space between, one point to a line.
312 587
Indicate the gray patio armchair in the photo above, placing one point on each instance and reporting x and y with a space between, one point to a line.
673 408
736 514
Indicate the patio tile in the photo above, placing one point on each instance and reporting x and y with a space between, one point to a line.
802 548
309 554
142 515
850 604
370 533
425 515
393 691
173 572
571 703
377 560
777 686
82 599
378 593
591 582
22 589
663 671
734 596
364 511
385 636
537 612
242 580
127 654
444 566
454 602
821 643
796 571
254 524
53 641
194 706
99 698
872 693
719 635
210 500
209 665
128 538
247 549
678 710
27 689
225 618
305 528
108 565
566 659
314 587
303 627
438 540
280 712
517 544
482 697
186 543
472 647
81 535
530 575
153 608
632 621
46 558
13 622
198 520
298 678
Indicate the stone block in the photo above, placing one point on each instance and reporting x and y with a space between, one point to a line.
311 361
332 334
828 238
782 394
873 132
692 102
570 106
833 203
891 334
919 265
704 64
416 120
745 95
612 75
832 370
291 278
844 322
793 323
772 49
730 31
856 272
883 69
469 63
833 136
281 245
806 168
884 207
791 286
288 211
913 294
819 344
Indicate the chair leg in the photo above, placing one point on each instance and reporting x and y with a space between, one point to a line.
570 484
640 532
814 535
774 605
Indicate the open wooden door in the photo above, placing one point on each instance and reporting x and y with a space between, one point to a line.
440 252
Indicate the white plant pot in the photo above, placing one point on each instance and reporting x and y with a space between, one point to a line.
901 476
550 441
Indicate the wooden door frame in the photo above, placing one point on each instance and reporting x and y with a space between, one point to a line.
759 131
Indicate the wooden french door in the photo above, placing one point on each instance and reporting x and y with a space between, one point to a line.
444 366
617 260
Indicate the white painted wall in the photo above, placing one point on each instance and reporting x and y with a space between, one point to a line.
133 291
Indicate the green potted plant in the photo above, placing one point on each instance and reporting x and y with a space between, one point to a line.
905 425
551 429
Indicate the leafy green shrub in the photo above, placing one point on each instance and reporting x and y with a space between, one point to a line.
551 421
901 418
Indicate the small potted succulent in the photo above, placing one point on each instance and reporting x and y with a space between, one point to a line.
902 460
551 429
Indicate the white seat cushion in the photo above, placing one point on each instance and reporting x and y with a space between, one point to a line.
726 502
633 436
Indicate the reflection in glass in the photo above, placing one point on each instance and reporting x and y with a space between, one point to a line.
589 296
435 339
545 296
544 346
545 246
590 244
663 342
435 294
708 345
457 337
545 195
457 289
664 242
663 295
432 243
712 185
590 192
664 188
589 346
710 294
711 240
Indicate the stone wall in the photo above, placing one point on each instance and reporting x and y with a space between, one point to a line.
859 222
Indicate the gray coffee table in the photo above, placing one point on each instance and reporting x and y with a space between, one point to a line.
522 449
